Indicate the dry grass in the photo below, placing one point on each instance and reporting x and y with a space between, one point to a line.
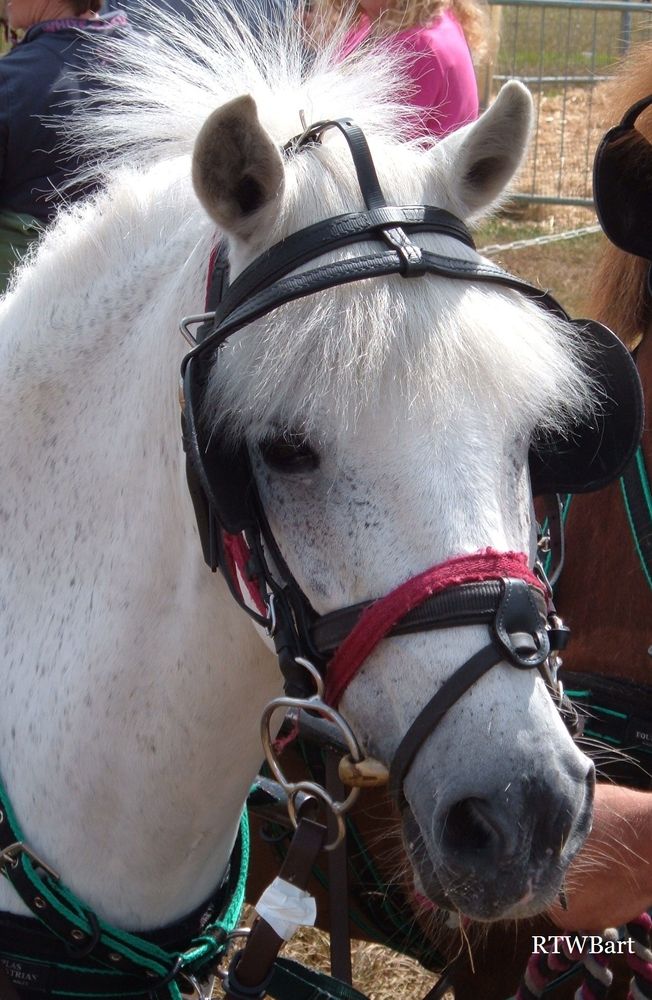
570 125
380 973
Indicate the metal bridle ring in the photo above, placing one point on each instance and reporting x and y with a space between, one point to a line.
292 789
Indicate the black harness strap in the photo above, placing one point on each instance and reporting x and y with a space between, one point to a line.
519 636
7 991
231 318
251 969
338 880
333 234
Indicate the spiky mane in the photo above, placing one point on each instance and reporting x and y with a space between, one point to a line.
438 343
160 85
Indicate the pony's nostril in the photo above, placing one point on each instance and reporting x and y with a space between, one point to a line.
468 827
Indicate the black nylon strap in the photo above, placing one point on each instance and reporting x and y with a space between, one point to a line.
7 991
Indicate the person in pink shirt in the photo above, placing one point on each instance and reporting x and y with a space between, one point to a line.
439 36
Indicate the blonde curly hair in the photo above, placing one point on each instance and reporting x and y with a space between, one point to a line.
402 14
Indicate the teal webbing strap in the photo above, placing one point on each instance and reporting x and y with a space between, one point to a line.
293 981
637 498
121 952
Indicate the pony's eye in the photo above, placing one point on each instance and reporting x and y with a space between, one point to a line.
289 452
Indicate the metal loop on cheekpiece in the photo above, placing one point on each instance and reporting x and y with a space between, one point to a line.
195 320
293 789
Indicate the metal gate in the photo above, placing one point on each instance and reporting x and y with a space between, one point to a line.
565 51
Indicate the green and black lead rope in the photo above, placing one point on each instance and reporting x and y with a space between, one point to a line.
73 953
637 497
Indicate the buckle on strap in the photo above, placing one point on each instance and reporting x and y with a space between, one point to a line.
520 627
11 855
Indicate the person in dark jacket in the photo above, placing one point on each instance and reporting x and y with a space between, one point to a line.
43 75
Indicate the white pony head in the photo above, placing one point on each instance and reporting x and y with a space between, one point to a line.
388 421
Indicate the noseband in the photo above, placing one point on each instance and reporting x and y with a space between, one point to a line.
497 590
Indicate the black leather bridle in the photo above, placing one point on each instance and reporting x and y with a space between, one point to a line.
221 482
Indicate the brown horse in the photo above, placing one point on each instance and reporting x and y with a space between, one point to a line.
605 597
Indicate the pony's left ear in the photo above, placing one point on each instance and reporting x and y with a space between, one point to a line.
477 162
237 170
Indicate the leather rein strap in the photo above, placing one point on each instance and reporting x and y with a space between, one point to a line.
250 970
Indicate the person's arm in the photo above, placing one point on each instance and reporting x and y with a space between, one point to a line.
610 882
441 74
427 85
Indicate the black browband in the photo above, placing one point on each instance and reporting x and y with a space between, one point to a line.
515 612
267 283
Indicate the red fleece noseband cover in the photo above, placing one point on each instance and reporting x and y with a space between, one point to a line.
378 619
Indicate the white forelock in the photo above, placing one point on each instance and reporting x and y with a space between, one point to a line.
438 343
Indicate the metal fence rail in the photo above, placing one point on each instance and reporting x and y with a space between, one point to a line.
565 51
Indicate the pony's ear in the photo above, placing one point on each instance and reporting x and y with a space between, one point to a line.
480 159
237 170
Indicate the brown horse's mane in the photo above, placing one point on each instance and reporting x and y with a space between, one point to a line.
619 295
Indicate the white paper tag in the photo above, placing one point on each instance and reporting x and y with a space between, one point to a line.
286 908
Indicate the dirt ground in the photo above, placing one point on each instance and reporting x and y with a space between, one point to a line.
564 268
570 125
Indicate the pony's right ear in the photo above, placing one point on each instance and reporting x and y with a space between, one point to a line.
477 161
237 170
